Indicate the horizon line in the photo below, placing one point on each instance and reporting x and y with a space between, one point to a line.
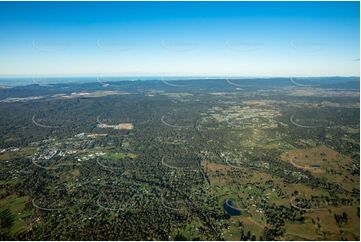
169 76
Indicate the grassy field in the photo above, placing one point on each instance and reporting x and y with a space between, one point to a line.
329 226
16 206
330 164
247 192
305 231
22 153
249 223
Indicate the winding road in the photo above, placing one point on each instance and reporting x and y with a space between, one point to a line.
175 167
174 126
232 83
42 125
305 209
46 209
303 126
173 85
299 84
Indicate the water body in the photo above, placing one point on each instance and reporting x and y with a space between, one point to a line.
228 206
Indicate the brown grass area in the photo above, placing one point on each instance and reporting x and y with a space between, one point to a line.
248 223
23 152
76 172
223 174
306 191
330 227
126 126
263 102
217 173
259 177
253 225
5 156
213 167
322 93
289 188
321 155
332 165
305 231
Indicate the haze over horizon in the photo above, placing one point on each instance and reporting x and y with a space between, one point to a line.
248 39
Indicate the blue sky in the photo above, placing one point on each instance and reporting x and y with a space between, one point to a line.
180 38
